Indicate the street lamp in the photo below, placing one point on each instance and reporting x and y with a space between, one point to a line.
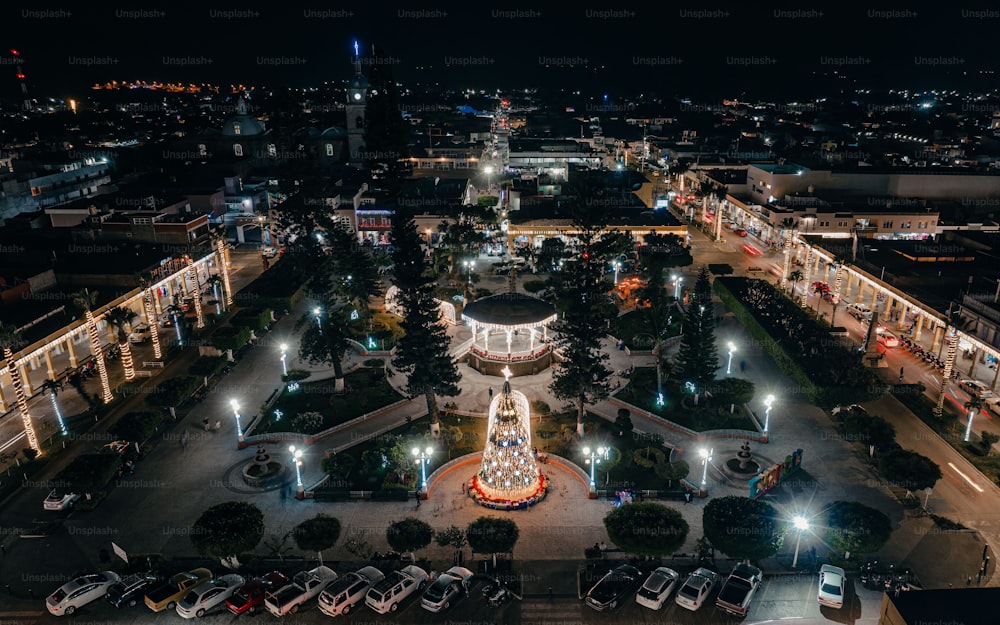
616 265
236 415
489 173
423 457
677 286
593 459
297 460
316 313
706 457
729 366
768 401
801 524
284 362
968 426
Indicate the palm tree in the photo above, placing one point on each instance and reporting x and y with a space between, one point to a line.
795 277
955 322
10 339
177 315
192 275
678 170
216 282
788 224
974 405
840 263
150 309
120 318
85 301
219 237
52 388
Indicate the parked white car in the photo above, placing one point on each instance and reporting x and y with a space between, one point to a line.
79 592
657 588
831 586
208 595
386 595
58 501
140 333
342 595
448 587
697 588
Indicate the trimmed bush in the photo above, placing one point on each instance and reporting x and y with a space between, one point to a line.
138 427
254 318
231 337
207 365
174 391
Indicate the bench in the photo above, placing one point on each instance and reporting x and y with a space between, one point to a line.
154 363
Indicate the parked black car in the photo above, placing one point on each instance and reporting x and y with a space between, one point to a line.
130 590
617 585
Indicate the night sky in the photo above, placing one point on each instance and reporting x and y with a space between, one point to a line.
709 50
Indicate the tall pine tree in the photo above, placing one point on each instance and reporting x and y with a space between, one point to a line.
385 132
583 376
698 356
422 353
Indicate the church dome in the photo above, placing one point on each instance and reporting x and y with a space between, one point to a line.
242 124
359 82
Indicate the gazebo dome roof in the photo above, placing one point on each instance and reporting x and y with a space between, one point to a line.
509 309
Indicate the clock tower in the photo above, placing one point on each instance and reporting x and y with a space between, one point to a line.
357 101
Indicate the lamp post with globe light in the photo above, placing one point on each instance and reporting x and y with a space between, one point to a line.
801 524
422 456
593 459
617 265
706 457
316 314
768 402
284 359
729 365
677 287
297 461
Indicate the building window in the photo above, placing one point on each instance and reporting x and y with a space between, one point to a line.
887 223
237 149
329 149
359 122
202 149
271 150
922 225
905 224
236 129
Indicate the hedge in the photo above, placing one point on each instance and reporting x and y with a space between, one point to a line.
254 318
138 427
833 376
207 365
174 391
230 337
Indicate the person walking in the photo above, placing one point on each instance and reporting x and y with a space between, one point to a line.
901 374
491 392
743 366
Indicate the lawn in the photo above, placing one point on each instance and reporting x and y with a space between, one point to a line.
367 390
641 393
636 327
635 461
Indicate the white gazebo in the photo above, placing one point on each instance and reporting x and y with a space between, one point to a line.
509 328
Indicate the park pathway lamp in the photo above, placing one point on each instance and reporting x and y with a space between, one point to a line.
469 264
617 265
801 524
236 415
732 350
968 425
423 457
768 402
297 461
284 359
593 459
319 324
706 457
677 287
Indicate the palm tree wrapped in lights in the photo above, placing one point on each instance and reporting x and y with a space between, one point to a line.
788 224
192 275
951 344
222 262
10 339
150 310
85 301
120 318
52 389
805 292
973 406
215 281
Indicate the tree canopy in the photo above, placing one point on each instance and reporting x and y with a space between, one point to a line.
492 535
742 528
855 527
697 357
316 534
228 529
410 534
908 469
646 529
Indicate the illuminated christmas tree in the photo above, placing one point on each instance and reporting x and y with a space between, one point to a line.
509 475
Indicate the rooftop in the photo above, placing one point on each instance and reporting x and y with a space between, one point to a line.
784 168
509 309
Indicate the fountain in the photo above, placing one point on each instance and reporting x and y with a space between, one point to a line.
262 469
743 463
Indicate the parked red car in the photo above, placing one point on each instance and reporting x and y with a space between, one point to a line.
250 596
741 232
